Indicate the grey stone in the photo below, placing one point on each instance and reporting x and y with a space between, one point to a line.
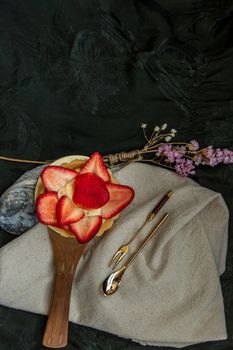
17 208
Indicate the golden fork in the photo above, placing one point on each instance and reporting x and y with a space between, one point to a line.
123 250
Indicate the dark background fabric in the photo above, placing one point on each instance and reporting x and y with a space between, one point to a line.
78 76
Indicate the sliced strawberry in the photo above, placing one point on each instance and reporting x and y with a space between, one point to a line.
68 212
86 228
120 197
90 191
46 208
54 177
95 164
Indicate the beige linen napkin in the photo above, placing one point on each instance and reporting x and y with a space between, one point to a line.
169 296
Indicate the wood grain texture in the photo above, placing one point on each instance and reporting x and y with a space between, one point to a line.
67 253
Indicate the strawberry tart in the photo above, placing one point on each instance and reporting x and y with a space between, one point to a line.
80 198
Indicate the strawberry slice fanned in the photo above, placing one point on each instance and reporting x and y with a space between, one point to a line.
120 197
55 177
46 208
86 228
95 164
68 212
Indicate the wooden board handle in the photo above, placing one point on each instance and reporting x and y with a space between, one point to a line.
67 252
56 330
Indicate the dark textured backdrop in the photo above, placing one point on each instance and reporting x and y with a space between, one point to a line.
81 75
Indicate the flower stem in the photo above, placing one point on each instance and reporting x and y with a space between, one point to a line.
155 162
23 160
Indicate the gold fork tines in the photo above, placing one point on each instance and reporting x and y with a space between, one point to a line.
123 250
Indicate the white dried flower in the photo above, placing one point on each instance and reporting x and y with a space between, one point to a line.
164 126
156 128
144 125
168 138
174 131
173 134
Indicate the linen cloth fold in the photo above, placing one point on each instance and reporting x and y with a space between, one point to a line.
170 295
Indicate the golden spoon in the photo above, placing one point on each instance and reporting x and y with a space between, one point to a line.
113 281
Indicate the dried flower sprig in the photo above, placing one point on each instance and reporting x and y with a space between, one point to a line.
183 157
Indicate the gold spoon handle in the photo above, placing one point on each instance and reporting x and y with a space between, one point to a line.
146 240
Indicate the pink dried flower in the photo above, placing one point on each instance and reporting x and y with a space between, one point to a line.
193 146
214 157
210 151
185 167
198 160
170 153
